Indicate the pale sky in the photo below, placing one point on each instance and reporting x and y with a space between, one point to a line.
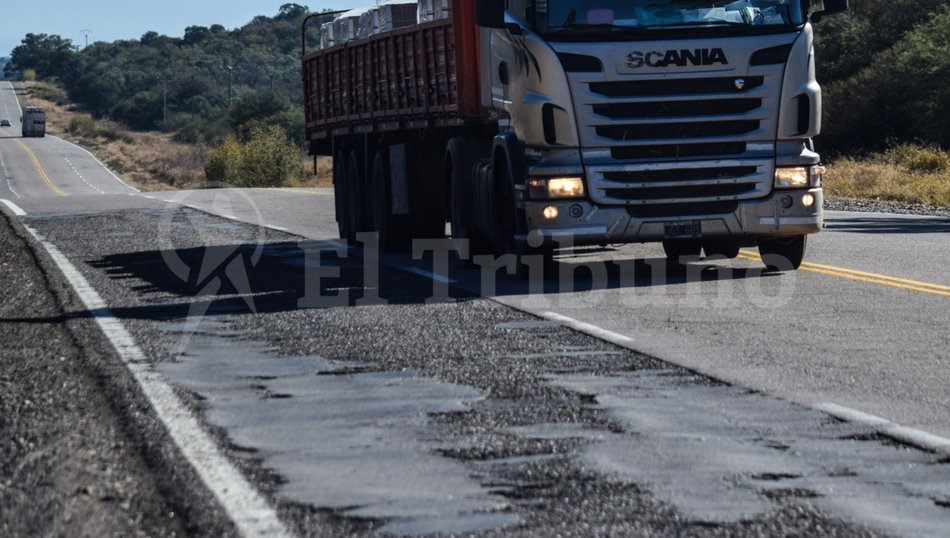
110 20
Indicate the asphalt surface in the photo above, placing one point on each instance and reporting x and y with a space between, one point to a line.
413 397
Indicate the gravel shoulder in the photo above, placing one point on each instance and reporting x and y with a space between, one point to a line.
886 206
69 465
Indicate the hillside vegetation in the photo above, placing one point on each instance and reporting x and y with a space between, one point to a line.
884 68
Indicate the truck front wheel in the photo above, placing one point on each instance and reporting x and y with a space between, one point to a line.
461 156
783 254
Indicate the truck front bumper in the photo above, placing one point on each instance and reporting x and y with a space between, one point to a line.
579 222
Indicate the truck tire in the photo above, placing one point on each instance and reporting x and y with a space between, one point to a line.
723 248
461 156
510 224
783 254
340 199
355 215
393 230
677 248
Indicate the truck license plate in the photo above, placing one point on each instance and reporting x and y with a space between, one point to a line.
682 230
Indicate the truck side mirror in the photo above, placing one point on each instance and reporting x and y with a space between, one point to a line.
828 7
490 13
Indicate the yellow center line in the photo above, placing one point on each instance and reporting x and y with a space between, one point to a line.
39 168
863 276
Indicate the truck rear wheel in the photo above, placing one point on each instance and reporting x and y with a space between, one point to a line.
783 254
393 230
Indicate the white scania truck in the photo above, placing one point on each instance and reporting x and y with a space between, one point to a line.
528 122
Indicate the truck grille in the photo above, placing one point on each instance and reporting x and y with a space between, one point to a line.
677 130
669 183
693 139
667 87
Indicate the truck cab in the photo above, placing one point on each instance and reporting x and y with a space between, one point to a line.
688 122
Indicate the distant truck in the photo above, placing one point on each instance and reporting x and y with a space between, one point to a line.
528 125
34 122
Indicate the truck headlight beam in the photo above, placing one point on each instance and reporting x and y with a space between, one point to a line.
795 177
556 188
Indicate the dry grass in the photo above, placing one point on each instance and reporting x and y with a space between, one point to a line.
908 174
323 177
149 160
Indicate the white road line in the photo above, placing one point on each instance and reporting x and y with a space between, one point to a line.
106 168
587 328
70 163
433 276
15 98
278 228
250 512
911 436
9 178
13 207
229 217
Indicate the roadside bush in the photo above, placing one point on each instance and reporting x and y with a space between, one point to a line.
50 93
267 159
270 159
82 125
916 158
224 162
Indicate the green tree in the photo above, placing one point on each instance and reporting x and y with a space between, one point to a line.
47 55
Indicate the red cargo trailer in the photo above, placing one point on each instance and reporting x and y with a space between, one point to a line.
372 103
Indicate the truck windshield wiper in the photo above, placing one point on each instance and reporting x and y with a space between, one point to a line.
708 24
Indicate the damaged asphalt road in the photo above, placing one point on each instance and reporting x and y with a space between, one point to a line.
460 416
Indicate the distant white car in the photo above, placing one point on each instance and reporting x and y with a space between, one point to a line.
4 123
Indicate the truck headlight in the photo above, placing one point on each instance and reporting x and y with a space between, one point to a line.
791 178
555 188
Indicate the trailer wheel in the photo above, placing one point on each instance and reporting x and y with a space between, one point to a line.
678 248
340 198
783 254
355 216
461 157
393 230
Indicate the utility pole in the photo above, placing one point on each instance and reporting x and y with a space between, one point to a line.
86 34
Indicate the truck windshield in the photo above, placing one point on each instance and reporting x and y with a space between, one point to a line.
650 17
